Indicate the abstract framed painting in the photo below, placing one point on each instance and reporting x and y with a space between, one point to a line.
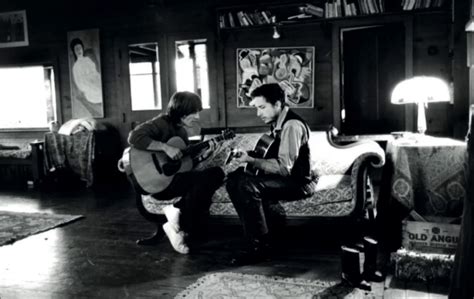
85 74
13 29
291 67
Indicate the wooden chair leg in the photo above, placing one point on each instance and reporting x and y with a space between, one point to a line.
154 238
158 220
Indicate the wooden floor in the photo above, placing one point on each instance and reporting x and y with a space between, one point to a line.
97 257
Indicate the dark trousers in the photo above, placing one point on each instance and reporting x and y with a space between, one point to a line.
253 195
196 189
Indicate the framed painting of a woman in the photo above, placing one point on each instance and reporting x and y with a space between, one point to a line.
85 74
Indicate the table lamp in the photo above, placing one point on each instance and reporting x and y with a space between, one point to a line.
421 90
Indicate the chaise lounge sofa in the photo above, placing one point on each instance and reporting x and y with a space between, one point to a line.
341 190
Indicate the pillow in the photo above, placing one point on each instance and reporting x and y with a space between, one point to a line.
74 126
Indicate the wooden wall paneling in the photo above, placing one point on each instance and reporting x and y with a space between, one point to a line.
431 56
122 87
336 76
460 71
471 86
220 80
410 110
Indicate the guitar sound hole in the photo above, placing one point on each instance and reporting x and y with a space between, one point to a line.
171 167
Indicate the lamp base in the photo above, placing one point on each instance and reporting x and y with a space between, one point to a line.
421 118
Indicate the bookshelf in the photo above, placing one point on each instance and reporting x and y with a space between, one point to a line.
271 14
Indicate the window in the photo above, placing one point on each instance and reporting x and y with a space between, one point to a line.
27 97
191 68
145 84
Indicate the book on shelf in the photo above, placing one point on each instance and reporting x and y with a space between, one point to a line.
372 9
221 21
299 16
311 12
363 7
314 10
349 8
267 16
248 19
243 22
338 8
421 4
382 5
231 19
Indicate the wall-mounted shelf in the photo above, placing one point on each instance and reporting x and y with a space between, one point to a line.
258 16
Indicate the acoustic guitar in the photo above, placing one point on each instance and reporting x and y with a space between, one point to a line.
264 149
154 170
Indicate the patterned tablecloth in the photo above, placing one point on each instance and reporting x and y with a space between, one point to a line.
74 152
429 174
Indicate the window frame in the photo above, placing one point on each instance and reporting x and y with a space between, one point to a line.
58 110
155 74
210 117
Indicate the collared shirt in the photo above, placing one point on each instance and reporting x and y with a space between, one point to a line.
292 136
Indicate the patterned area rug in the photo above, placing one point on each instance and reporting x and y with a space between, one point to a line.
15 226
237 285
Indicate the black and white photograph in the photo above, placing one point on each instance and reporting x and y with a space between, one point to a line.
13 29
237 149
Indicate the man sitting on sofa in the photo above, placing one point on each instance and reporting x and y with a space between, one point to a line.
286 171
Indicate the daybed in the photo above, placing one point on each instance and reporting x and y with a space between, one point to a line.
341 191
21 161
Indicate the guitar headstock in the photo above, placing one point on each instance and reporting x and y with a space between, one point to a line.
227 134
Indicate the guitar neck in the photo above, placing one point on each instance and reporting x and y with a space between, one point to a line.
196 148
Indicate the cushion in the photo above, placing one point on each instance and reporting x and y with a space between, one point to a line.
15 148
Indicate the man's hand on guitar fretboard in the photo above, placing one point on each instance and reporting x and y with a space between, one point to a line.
207 152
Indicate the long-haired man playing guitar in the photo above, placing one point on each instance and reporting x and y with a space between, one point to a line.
187 217
284 175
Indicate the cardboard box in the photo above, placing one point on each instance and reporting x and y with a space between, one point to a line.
430 236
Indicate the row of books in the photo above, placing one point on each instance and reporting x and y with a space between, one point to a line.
245 18
420 4
342 8
325 9
347 8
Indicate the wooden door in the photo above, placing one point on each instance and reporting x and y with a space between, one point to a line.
373 63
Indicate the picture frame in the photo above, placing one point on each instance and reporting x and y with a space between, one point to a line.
85 73
13 29
291 67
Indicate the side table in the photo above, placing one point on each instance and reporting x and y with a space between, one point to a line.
424 174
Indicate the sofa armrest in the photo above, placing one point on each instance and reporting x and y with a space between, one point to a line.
329 158
359 178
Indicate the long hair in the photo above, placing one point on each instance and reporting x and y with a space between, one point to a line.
183 103
271 92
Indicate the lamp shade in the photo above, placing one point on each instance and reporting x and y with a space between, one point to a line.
421 89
